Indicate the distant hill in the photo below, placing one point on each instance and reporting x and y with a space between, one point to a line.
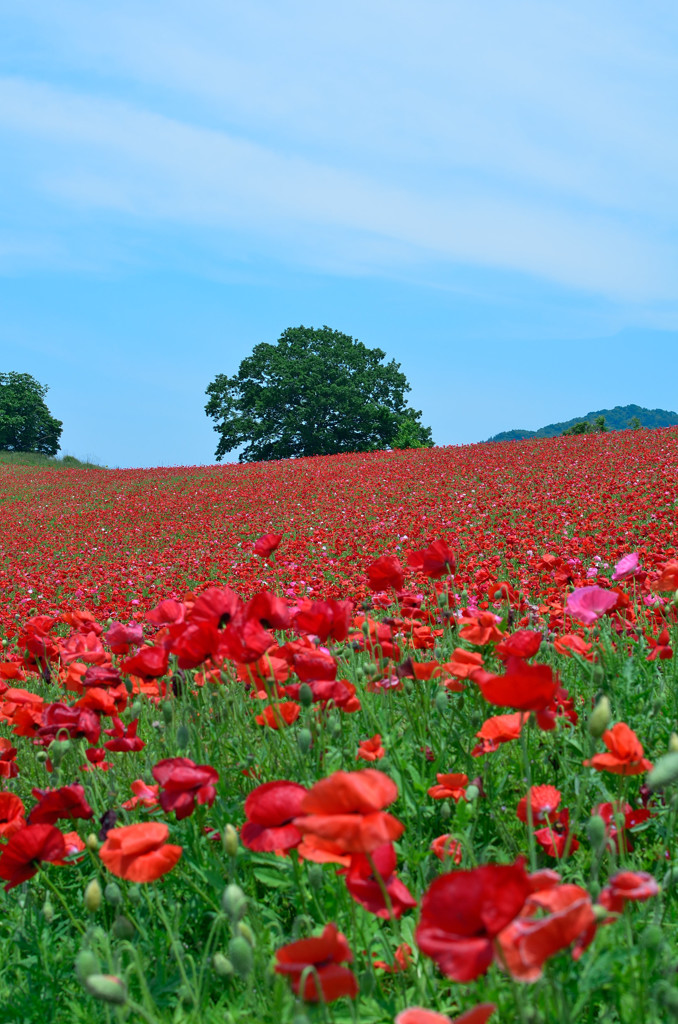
615 419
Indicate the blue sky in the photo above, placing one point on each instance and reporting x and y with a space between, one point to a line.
485 191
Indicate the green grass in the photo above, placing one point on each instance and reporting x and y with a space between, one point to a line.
39 461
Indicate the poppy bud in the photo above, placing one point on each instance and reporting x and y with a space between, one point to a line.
92 842
300 1018
596 833
441 702
229 841
445 810
600 912
673 743
42 757
240 955
123 928
304 740
234 902
222 965
136 709
112 894
107 987
367 983
600 718
305 695
652 937
129 686
183 737
472 793
247 933
167 712
134 894
668 997
48 911
86 963
92 897
316 876
664 772
57 749
333 725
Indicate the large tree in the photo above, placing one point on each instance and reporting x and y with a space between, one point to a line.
315 392
26 424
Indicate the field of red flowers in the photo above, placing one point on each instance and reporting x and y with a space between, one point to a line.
381 737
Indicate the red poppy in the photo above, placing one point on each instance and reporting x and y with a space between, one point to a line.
364 887
497 730
529 940
463 912
124 739
66 802
270 810
522 687
267 544
183 783
570 644
120 637
611 812
463 662
277 716
544 801
144 795
479 1014
324 619
625 753
555 838
668 579
216 607
450 787
445 846
139 853
76 722
371 749
8 769
627 886
73 849
346 811
147 663
385 573
435 561
524 643
26 849
481 629
12 814
325 954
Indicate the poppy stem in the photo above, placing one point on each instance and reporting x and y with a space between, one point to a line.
69 913
532 846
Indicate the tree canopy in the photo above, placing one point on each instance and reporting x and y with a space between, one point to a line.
26 424
314 392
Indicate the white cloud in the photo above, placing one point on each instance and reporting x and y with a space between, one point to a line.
533 136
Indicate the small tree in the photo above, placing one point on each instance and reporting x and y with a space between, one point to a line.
583 427
315 392
634 423
26 424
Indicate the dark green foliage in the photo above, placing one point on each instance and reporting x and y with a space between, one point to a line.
25 421
598 426
622 417
315 392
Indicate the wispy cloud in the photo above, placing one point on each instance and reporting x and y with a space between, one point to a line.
535 137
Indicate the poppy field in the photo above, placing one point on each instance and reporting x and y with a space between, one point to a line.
386 737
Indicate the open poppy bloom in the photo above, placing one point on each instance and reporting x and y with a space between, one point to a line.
402 958
183 783
529 941
524 643
588 604
11 814
277 716
450 787
435 561
26 850
346 811
418 1015
463 912
618 834
147 663
266 545
497 730
481 629
371 749
139 853
625 753
544 801
124 739
555 838
627 886
271 809
328 980
362 883
446 846
523 687
8 768
144 795
66 802
385 573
